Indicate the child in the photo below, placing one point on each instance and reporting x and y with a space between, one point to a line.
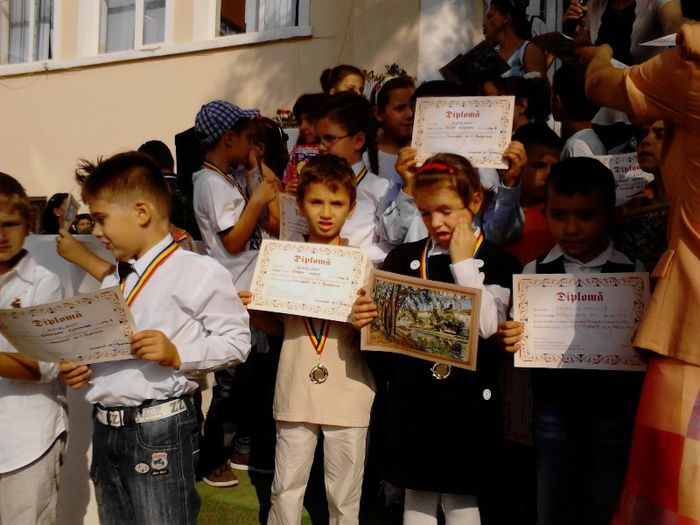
82 224
393 107
305 110
145 423
435 413
338 407
33 418
346 128
583 419
571 107
342 78
543 149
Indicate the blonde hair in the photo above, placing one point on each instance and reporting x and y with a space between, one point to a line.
13 196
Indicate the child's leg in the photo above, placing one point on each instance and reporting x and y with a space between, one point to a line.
296 443
460 509
28 495
344 454
420 507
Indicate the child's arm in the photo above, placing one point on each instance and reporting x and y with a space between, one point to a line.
76 252
266 321
14 366
396 220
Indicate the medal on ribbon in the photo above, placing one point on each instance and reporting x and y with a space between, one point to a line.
319 373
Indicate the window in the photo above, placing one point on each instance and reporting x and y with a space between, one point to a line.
131 24
248 16
26 30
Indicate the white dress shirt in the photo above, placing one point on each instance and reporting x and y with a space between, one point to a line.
583 143
32 414
494 298
573 265
192 300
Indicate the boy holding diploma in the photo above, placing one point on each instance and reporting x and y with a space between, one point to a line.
145 438
583 419
323 383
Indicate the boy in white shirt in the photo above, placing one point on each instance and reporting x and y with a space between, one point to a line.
33 418
189 321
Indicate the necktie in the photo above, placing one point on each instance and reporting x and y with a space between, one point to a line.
124 269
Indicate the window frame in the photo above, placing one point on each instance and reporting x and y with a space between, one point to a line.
54 37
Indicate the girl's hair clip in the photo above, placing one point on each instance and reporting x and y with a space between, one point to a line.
437 166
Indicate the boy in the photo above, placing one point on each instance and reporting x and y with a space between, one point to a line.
336 399
145 423
230 219
571 107
583 419
543 148
33 418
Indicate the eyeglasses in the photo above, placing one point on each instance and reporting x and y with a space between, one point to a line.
331 140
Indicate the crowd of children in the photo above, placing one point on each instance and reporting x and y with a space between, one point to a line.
371 432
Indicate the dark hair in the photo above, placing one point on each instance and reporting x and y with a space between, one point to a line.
381 93
12 194
691 9
80 217
266 132
521 23
569 85
129 175
309 104
453 170
160 153
538 134
440 88
331 171
354 113
583 175
537 93
331 77
49 221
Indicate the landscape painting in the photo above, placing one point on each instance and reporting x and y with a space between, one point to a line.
424 319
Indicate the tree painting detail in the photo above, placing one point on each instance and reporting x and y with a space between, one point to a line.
423 321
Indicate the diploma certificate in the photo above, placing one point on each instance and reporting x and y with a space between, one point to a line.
580 321
293 225
88 328
313 280
478 128
630 179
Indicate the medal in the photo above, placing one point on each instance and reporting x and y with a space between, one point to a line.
441 370
318 374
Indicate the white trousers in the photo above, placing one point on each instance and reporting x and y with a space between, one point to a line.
28 495
344 450
421 508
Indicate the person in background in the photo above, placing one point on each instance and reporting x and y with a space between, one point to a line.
304 111
161 155
54 213
342 78
83 224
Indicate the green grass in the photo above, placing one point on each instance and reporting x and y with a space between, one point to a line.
233 505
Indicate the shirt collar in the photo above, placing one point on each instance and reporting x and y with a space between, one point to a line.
609 254
24 269
436 249
142 263
357 167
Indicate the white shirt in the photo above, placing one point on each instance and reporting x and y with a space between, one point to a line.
218 204
494 298
32 414
573 265
387 167
192 300
583 143
361 230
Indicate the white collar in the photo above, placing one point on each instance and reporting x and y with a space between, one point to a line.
609 254
437 249
357 167
142 262
24 269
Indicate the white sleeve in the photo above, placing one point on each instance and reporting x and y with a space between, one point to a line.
397 219
494 298
225 321
220 202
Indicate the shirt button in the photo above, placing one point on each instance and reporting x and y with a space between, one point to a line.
415 265
487 394
479 263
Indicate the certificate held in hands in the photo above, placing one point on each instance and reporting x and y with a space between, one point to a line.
312 280
478 128
580 321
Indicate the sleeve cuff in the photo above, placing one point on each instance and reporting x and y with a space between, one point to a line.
509 196
466 272
189 359
48 371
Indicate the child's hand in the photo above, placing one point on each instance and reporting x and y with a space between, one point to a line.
406 166
245 297
363 310
509 335
463 242
75 376
517 158
292 185
153 345
68 247
266 192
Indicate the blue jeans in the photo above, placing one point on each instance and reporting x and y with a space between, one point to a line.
145 472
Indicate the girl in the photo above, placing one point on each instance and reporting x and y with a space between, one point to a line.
444 424
508 28
342 78
393 108
346 128
54 213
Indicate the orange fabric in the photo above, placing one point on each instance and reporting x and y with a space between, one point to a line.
668 87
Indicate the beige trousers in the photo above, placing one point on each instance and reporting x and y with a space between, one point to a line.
344 450
28 495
